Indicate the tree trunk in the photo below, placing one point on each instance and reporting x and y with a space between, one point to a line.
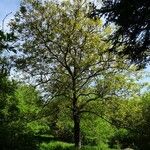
77 132
76 115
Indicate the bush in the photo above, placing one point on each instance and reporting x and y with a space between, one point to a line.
56 146
103 146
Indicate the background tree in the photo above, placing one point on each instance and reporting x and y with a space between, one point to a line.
30 106
8 108
133 26
8 112
131 118
18 120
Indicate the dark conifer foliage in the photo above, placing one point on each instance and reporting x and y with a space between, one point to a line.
133 20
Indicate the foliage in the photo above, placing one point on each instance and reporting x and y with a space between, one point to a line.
133 27
8 112
56 146
5 63
96 131
142 138
132 119
15 127
30 104
125 113
5 38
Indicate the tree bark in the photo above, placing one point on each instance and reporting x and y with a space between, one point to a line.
76 113
77 132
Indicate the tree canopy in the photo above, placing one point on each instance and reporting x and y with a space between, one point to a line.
133 26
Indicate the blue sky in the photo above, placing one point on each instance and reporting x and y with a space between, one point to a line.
7 6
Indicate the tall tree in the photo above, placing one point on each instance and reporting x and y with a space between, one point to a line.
5 39
65 52
133 26
7 88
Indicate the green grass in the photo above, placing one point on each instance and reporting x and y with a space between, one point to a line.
57 145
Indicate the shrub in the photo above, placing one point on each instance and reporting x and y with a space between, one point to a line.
56 146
